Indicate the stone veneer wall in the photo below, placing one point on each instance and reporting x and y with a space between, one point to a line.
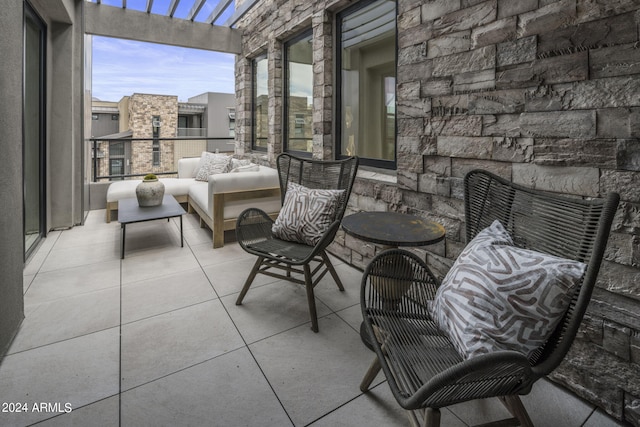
142 108
545 93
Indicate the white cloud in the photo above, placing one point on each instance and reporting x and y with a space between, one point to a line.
123 67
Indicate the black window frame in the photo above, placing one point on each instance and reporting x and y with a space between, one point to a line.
364 161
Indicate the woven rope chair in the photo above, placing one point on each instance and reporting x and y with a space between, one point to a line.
424 371
253 228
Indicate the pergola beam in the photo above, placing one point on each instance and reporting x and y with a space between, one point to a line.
148 27
195 9
219 10
239 13
172 8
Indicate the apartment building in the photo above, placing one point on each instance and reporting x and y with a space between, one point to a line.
145 133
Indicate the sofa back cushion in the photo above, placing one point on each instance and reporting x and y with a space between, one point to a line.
187 167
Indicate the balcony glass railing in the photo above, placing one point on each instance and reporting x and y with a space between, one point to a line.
192 132
127 158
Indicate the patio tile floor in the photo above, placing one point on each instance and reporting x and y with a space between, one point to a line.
156 339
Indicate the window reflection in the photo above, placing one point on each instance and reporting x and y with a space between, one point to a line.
368 80
260 103
299 94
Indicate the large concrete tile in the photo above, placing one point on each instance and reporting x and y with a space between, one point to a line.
89 234
104 413
352 315
27 279
157 263
229 252
547 405
189 221
67 318
73 281
149 236
271 309
96 217
163 294
376 408
599 418
78 372
158 346
327 291
314 374
229 390
480 411
229 277
551 404
81 255
196 236
35 261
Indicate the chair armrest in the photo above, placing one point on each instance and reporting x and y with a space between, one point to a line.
495 374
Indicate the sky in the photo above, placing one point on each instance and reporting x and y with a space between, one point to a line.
123 67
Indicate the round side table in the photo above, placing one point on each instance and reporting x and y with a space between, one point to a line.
393 229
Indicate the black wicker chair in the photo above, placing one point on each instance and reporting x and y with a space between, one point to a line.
253 228
423 369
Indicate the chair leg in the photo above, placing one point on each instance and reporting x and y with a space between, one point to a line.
373 370
432 417
249 281
311 299
428 417
517 409
334 274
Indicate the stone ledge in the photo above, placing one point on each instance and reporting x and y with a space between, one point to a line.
373 174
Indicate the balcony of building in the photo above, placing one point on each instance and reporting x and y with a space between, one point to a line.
155 339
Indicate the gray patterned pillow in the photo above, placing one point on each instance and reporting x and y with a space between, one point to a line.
211 164
306 214
500 297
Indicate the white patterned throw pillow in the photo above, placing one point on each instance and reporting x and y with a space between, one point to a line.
211 164
500 297
306 214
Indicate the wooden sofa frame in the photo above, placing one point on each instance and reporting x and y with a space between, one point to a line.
218 224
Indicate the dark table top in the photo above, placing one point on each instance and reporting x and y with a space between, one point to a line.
393 228
129 211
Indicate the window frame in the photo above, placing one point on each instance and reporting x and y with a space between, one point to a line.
254 80
285 94
364 161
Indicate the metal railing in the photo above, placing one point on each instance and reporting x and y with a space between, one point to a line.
134 157
197 132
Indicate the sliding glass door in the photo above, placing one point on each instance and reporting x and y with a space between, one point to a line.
33 130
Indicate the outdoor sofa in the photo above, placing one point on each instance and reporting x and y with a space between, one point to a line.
217 198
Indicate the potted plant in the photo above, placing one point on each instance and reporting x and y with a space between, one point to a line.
150 191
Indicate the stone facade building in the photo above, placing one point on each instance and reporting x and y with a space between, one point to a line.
544 93
153 116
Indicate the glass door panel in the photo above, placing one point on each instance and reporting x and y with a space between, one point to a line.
33 130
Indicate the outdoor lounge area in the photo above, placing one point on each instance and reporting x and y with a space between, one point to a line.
537 95
156 339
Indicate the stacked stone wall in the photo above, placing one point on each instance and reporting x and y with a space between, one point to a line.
142 109
544 93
